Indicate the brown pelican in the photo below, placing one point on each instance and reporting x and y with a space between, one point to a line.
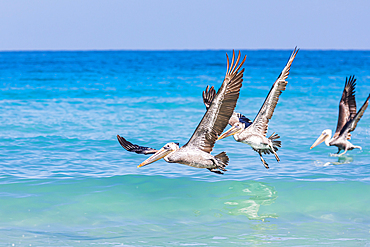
347 120
254 134
196 152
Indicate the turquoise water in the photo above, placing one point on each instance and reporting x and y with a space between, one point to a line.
66 181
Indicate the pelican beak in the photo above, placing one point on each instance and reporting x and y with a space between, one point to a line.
157 156
232 131
319 140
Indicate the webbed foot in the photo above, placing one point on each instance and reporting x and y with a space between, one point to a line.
216 171
264 162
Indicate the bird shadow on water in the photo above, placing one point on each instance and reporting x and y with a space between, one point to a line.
247 198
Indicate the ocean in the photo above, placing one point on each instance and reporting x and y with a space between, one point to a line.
66 181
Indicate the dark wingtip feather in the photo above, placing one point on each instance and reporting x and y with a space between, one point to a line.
208 95
134 148
124 143
351 83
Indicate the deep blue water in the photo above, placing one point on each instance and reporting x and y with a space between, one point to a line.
66 181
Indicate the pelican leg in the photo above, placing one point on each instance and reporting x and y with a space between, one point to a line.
345 151
215 170
359 147
220 162
263 161
273 151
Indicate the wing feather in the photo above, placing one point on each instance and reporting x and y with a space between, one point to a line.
135 148
352 123
347 104
208 96
221 108
260 123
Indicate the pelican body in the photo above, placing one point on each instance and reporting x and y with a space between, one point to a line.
196 152
338 141
172 153
254 133
347 120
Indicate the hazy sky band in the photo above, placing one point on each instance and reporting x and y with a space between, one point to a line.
192 24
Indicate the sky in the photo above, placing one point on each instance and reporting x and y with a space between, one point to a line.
184 25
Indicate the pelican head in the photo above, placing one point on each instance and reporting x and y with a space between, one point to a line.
325 136
236 128
162 153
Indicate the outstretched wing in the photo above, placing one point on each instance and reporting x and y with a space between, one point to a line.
351 124
208 96
260 123
221 108
134 148
347 104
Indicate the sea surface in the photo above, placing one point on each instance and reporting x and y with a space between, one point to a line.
66 181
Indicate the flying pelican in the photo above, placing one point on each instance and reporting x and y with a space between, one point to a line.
254 134
347 120
196 152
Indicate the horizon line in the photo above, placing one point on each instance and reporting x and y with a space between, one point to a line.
144 50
